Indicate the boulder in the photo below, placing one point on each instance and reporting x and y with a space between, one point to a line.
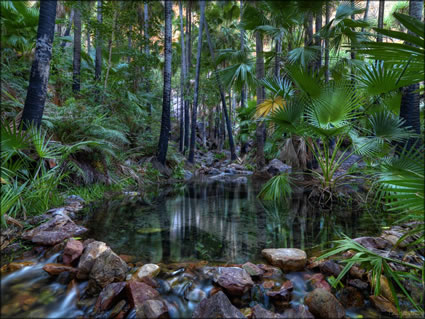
234 280
57 229
139 292
322 304
93 250
383 305
216 306
56 269
152 309
276 167
330 268
258 312
108 268
350 297
288 259
72 251
298 312
252 269
372 243
148 270
109 296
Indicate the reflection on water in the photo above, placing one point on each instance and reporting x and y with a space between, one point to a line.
221 222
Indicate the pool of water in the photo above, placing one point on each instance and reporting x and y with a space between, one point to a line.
222 222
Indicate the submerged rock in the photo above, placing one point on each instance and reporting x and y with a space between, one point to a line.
216 306
72 251
109 295
323 304
284 293
57 229
234 280
153 308
288 259
93 250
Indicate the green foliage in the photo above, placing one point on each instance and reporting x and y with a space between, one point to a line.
276 189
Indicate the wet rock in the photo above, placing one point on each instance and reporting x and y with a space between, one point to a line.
74 198
195 295
65 277
109 295
330 268
54 231
187 175
350 297
234 280
91 253
322 304
252 269
258 312
384 287
383 305
318 281
313 263
357 272
56 269
393 235
148 270
284 293
108 268
139 292
117 309
72 251
373 242
270 271
298 312
276 167
240 180
359 284
14 266
288 259
216 306
153 308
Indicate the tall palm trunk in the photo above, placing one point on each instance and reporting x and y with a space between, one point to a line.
319 40
188 56
327 18
352 53
243 91
223 99
195 95
148 85
308 40
166 96
39 76
278 49
130 29
76 65
98 60
381 10
182 79
409 108
259 70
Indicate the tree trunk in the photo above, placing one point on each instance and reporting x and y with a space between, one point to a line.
39 76
114 23
76 66
188 57
243 91
148 85
182 79
409 108
366 12
68 28
327 44
259 70
195 95
352 53
319 40
223 100
129 43
380 18
278 49
98 60
166 97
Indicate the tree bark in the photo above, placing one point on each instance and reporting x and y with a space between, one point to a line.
76 66
223 99
166 97
259 70
409 107
195 95
114 23
243 91
182 79
130 29
148 85
39 76
319 41
188 57
381 10
366 12
327 44
98 60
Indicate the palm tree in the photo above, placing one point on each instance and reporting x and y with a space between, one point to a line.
259 68
191 158
223 100
98 60
76 66
319 40
381 11
243 90
328 13
182 79
146 15
39 76
188 57
166 97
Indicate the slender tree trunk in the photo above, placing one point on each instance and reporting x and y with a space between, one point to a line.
366 12
259 70
380 18
352 53
223 99
182 79
166 97
98 61
327 44
243 91
88 40
39 76
129 43
308 39
409 108
68 28
76 67
114 23
319 41
278 49
188 57
195 96
148 85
